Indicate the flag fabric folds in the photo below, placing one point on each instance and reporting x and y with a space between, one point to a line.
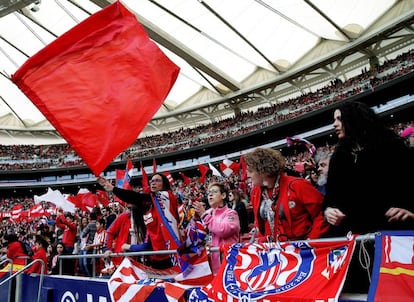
103 197
284 272
36 211
99 84
169 177
185 178
16 211
214 170
295 141
393 270
229 167
243 166
145 182
57 198
203 172
133 281
84 200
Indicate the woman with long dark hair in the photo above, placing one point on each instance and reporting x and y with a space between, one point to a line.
366 190
370 168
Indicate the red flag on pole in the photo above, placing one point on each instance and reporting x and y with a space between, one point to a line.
203 171
169 177
145 183
229 167
243 166
186 179
154 166
103 197
104 79
123 177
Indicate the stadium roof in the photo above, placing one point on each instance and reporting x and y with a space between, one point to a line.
234 55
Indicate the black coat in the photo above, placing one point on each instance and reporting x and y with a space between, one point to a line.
365 184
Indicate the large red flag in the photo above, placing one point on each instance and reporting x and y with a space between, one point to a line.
99 84
85 200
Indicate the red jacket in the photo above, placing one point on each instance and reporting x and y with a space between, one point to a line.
302 207
16 253
36 268
118 233
69 230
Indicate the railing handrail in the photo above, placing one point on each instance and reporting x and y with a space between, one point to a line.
365 237
21 271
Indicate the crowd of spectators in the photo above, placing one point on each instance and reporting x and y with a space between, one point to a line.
62 155
52 227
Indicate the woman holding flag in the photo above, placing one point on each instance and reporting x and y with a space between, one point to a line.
159 209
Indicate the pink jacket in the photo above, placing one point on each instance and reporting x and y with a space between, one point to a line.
224 226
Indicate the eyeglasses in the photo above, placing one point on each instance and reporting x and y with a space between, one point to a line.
213 192
155 180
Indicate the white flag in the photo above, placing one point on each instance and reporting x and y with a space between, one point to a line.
54 196
214 170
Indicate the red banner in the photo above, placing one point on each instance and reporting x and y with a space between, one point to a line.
296 271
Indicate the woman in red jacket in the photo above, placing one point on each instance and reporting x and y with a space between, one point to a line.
40 253
15 252
285 207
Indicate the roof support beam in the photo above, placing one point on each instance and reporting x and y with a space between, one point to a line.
175 46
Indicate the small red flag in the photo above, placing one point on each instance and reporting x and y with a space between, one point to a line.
103 197
186 179
154 166
203 171
145 183
243 166
229 167
169 177
99 84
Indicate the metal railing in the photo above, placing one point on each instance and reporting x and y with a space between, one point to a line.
365 237
21 271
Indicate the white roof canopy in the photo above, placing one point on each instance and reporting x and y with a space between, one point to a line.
225 49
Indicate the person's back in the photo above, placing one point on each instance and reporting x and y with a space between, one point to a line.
15 250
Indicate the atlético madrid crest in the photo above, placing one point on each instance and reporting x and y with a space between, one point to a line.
266 269
255 271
